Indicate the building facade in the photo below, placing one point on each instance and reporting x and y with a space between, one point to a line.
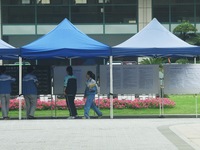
108 21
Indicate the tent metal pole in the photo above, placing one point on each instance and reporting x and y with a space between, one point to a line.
55 105
195 60
104 61
111 88
196 105
20 88
70 61
160 101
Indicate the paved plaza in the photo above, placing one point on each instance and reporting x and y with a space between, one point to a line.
100 134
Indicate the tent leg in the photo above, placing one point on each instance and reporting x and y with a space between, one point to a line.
195 60
51 105
196 105
111 88
20 88
161 102
55 107
70 61
160 107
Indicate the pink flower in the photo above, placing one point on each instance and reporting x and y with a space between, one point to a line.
103 103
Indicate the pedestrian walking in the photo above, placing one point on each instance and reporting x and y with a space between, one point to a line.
90 91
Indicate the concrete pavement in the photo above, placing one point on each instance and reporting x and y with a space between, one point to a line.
100 134
190 133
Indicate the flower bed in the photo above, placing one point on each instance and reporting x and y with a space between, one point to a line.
103 103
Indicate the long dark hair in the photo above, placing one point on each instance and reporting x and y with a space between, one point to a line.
69 70
91 74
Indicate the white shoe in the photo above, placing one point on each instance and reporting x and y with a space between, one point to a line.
71 117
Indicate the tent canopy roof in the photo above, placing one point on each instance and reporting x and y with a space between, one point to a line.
7 51
155 40
65 41
4 45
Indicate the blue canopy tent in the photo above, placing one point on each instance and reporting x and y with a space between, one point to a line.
7 51
64 41
156 41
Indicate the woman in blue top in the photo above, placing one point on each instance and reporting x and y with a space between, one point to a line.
90 91
5 90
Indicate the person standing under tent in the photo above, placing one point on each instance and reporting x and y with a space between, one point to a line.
90 91
5 90
29 90
70 89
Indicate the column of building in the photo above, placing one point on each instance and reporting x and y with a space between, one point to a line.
144 16
144 13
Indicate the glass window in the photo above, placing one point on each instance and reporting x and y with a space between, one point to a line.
18 2
181 13
88 2
182 1
18 14
25 1
52 14
96 2
80 1
160 2
161 12
198 13
87 14
53 2
121 1
105 1
43 1
120 14
11 2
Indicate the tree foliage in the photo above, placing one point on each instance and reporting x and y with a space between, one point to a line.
182 61
184 28
152 60
187 32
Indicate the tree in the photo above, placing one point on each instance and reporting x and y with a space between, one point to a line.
182 61
152 60
187 32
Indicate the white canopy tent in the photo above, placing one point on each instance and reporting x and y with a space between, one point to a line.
153 40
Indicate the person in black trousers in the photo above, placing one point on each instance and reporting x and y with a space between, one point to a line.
70 88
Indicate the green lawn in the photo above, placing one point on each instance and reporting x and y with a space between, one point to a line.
185 104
